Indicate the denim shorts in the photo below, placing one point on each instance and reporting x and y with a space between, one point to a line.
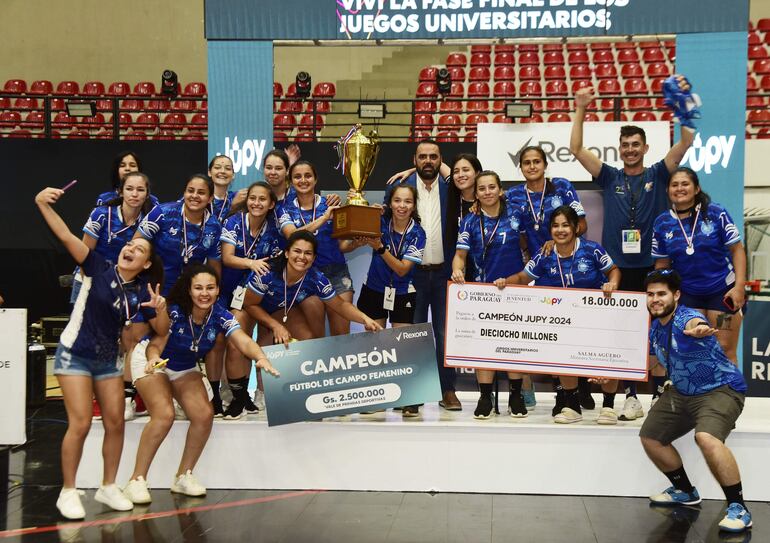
67 363
339 276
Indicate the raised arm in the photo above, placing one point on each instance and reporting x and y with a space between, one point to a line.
45 200
677 151
587 159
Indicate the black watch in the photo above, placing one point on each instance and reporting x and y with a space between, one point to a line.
381 250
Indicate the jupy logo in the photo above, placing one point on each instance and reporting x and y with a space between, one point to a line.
550 301
246 156
716 150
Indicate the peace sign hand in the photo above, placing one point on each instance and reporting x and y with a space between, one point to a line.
156 302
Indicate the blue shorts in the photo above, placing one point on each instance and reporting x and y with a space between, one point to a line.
66 363
714 302
339 276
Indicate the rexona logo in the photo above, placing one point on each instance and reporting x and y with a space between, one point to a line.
246 155
556 152
716 150
411 335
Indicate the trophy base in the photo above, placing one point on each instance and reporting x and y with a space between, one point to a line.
356 221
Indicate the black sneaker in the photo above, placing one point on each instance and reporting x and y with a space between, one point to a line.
250 406
516 406
234 411
218 410
561 403
584 394
484 407
410 411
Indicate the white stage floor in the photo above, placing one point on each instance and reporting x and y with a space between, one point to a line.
442 451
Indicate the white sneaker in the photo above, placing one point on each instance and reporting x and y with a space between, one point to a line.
113 497
259 399
69 504
607 416
632 409
136 491
567 416
188 485
130 412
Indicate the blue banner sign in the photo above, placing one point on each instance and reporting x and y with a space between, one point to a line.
756 348
338 375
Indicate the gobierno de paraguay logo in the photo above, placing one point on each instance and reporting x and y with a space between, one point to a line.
372 19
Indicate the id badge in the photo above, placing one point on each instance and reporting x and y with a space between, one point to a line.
632 241
389 300
238 295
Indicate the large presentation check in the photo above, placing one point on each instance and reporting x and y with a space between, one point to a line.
547 330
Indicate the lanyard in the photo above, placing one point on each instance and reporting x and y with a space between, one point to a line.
196 342
244 228
397 254
537 217
186 250
222 209
691 239
632 198
486 243
123 294
301 216
287 306
110 235
572 262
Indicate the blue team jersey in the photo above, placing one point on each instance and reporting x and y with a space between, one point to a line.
535 220
638 197
236 232
103 306
328 249
278 213
165 227
184 336
695 366
494 247
407 246
220 208
105 225
105 197
586 268
271 287
709 270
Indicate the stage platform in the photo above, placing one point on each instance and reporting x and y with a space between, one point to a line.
442 451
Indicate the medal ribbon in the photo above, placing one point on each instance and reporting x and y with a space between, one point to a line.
110 235
196 342
572 263
244 228
537 217
123 294
691 239
287 306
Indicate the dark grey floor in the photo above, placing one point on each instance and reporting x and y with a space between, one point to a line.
341 516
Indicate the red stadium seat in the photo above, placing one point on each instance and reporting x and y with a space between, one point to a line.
552 58
62 120
554 72
94 121
579 71
556 88
304 136
580 46
132 105
479 73
193 135
174 121
200 121
751 83
447 137
754 38
457 90
284 121
144 88
547 47
559 118
419 136
423 121
504 73
135 135
9 119
653 55
290 106
528 47
605 71
321 106
124 120
15 86
426 89
456 59
577 57
481 49
763 134
505 48
671 53
630 70
57 104
449 121
165 135
626 56
481 59
535 118
557 105
428 74
470 137
763 25
68 88
291 91
146 121
277 90
504 59
93 88
504 89
478 90
757 52
608 104
656 85
25 103
591 117
425 105
280 136
603 56
472 121
5 103
657 69
119 88
477 106
195 89
755 102
611 117
183 105
660 105
529 59
306 122
635 86
41 87
35 120
609 86
537 105
324 89
457 74
20 133
758 117
502 119
451 105
636 104
529 73
580 84
160 104
530 88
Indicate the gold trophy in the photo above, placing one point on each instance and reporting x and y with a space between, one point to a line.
358 154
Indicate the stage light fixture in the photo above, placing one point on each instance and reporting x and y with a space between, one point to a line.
81 108
169 84
303 83
515 110
444 81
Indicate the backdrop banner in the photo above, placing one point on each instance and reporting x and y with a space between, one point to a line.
13 376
